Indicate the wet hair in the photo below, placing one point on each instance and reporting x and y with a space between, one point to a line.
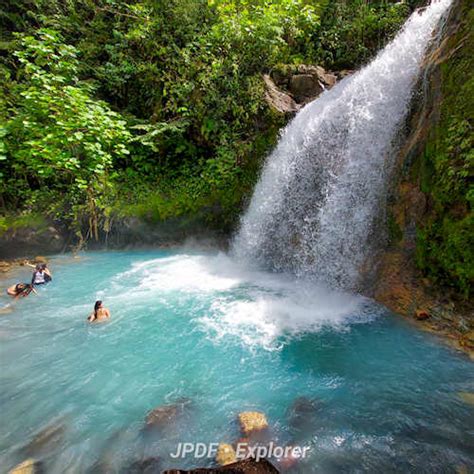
23 289
44 266
97 305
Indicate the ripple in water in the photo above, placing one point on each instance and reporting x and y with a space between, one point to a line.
200 327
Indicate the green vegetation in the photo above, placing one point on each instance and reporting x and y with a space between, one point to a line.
156 108
445 247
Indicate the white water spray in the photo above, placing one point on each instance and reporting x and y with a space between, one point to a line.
315 208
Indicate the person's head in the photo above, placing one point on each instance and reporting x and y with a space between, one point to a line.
38 267
97 306
44 266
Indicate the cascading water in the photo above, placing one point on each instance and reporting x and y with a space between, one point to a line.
314 210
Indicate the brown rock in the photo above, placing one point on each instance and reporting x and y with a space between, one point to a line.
46 438
165 415
422 314
247 466
467 339
305 86
30 466
251 421
467 397
151 465
277 99
225 454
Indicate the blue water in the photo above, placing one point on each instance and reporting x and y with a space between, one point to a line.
197 326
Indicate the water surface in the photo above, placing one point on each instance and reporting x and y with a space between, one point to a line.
197 326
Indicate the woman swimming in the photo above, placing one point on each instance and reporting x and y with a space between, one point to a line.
100 313
20 290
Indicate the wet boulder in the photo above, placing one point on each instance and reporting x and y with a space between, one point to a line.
302 413
252 421
30 466
247 466
151 465
225 454
46 439
166 415
467 397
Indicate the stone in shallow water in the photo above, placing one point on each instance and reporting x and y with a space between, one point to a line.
302 415
166 415
150 465
247 466
30 466
225 454
45 439
467 397
251 421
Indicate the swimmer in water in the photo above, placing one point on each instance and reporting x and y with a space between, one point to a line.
41 275
20 290
100 313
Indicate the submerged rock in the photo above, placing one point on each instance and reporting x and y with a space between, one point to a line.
251 421
467 397
225 454
166 415
301 414
30 466
247 466
151 465
46 438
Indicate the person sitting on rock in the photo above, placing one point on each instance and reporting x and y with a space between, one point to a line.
20 290
100 313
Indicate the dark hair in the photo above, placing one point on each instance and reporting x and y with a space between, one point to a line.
97 305
44 266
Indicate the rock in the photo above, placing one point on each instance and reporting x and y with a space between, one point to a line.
165 415
151 465
467 397
40 259
467 340
277 99
422 314
302 412
251 421
6 310
45 439
287 462
225 454
305 87
344 73
35 239
319 73
30 466
246 466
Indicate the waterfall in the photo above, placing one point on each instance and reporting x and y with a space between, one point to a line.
315 209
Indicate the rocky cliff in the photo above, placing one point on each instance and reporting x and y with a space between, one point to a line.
428 271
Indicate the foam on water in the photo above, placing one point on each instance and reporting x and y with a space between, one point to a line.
255 306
